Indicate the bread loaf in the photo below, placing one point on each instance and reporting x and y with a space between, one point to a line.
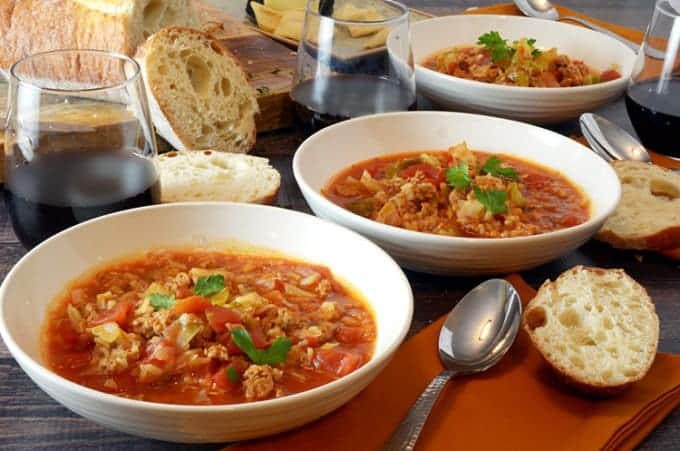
32 26
217 176
648 215
199 96
596 328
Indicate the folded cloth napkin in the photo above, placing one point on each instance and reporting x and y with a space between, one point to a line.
517 404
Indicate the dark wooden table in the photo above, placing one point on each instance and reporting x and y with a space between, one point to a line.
30 419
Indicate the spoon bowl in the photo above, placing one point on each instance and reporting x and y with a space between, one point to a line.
477 333
610 141
481 328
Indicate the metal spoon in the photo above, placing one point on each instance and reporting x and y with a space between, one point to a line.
611 141
543 9
477 333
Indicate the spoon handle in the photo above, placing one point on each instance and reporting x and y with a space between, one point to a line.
406 435
635 47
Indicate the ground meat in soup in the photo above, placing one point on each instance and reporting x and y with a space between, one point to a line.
207 327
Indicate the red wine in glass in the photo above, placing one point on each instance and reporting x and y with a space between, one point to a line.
60 189
320 102
655 114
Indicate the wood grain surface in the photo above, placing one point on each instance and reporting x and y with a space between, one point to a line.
29 419
269 65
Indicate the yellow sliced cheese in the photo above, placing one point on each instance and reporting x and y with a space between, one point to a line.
377 40
286 5
291 25
348 11
267 18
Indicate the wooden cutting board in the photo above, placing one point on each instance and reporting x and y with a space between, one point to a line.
269 64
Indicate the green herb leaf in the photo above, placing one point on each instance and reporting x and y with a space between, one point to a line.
245 343
275 354
278 351
160 300
232 374
493 167
534 51
207 286
494 199
458 176
496 45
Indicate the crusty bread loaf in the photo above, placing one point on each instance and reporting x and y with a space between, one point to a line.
205 175
648 215
31 26
199 95
596 328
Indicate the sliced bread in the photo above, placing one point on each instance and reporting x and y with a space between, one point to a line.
648 215
31 26
206 175
199 95
596 328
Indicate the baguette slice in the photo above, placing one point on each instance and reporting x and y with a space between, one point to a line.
217 176
199 96
648 215
596 328
31 26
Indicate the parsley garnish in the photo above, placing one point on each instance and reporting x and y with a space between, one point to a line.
496 45
458 176
232 374
534 51
207 286
276 353
493 167
160 300
494 199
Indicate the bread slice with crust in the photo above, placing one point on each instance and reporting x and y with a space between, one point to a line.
597 328
199 95
648 215
205 175
31 26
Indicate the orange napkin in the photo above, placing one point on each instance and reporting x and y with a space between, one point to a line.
516 405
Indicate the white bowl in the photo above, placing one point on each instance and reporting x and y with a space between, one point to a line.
42 273
537 105
335 148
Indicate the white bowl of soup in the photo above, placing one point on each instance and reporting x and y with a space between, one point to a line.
591 70
457 193
204 322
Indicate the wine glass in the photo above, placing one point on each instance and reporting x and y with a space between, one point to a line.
653 94
79 141
354 58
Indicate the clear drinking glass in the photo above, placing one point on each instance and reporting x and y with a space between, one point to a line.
653 94
354 58
79 141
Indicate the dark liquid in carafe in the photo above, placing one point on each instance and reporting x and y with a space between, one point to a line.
656 115
59 189
323 101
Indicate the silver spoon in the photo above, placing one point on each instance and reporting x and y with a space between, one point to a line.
543 9
477 333
611 141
